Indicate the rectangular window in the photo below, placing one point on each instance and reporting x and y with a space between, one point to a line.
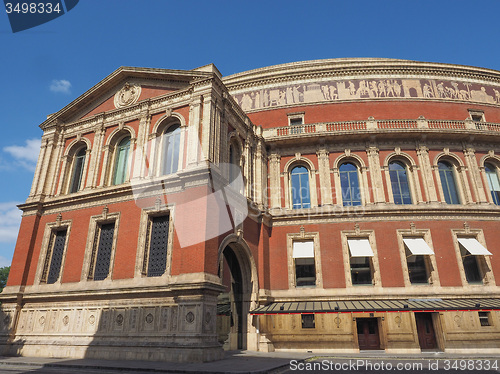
156 256
360 260
417 270
305 269
101 254
308 321
484 318
471 252
417 250
55 253
295 120
361 272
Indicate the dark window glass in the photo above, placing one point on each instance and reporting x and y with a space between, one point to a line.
349 183
296 122
305 272
399 183
78 163
484 318
121 162
417 269
308 321
493 182
104 251
171 142
300 188
56 255
157 258
471 267
448 182
361 270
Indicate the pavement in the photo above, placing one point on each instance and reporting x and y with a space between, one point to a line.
234 362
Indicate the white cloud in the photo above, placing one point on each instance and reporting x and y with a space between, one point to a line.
10 219
25 155
60 85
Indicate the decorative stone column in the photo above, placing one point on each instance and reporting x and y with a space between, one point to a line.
96 155
324 177
475 174
375 174
275 180
427 177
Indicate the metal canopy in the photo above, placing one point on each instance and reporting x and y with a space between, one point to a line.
401 305
360 248
303 249
474 247
418 246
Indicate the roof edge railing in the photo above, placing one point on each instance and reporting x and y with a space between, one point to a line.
372 124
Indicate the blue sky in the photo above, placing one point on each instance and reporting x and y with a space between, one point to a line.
45 68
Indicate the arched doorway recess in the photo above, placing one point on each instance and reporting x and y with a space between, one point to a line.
235 326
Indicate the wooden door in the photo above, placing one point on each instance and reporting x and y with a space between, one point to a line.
368 337
425 330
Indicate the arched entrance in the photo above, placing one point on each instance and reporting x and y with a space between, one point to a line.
238 275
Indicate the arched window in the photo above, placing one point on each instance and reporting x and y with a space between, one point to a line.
493 182
399 183
77 173
349 182
448 182
120 174
300 188
170 147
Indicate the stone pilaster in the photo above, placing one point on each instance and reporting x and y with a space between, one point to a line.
275 180
375 174
324 177
427 174
475 174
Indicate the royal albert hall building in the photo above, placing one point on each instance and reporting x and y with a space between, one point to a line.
367 216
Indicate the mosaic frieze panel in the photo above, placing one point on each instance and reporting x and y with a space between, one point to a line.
170 319
353 89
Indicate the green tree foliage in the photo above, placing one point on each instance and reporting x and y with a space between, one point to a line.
4 274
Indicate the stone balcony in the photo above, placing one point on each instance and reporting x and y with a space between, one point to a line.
387 126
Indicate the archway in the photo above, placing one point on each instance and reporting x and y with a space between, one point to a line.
237 271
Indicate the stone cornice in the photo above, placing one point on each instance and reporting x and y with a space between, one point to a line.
354 67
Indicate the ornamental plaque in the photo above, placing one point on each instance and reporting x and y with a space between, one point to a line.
128 95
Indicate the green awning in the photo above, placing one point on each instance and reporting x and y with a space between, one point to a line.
357 306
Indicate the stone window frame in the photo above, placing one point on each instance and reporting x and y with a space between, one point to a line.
459 173
295 116
156 140
304 237
411 172
67 167
43 262
346 254
112 141
299 160
93 242
146 216
430 260
483 262
362 177
476 113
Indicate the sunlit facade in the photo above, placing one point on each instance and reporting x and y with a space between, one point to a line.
328 206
